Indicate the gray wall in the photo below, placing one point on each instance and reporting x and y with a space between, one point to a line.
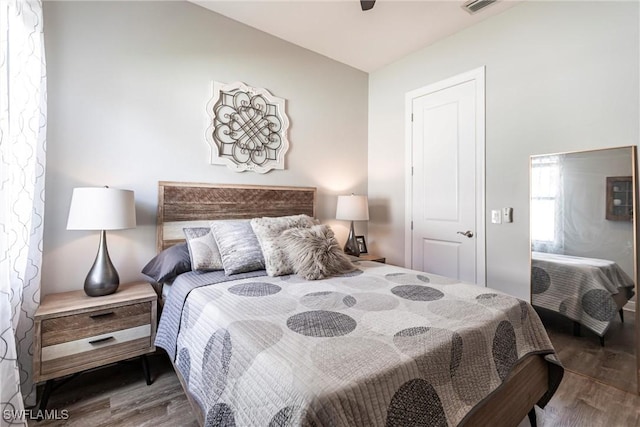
560 76
128 84
587 232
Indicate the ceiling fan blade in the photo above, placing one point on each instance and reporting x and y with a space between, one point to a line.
367 4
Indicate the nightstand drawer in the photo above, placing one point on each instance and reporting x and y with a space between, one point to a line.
71 328
95 349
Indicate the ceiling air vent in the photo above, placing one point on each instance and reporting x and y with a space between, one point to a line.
473 6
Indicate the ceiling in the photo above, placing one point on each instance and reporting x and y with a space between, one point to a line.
340 30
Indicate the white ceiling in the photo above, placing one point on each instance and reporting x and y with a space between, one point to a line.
340 30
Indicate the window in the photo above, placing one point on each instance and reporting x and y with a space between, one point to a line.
546 197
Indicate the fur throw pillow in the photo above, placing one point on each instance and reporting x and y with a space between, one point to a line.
268 231
315 253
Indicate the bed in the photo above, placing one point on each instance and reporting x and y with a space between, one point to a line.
588 291
380 345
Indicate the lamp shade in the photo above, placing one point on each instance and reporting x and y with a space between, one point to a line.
101 208
352 208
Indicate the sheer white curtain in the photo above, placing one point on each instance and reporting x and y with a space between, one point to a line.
22 167
547 227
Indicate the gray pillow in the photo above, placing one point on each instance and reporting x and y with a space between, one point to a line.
203 250
238 246
268 231
165 266
315 252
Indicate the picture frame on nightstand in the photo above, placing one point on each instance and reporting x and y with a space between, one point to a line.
362 244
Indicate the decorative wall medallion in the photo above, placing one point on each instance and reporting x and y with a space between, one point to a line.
248 128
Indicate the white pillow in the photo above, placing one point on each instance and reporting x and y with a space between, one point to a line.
203 250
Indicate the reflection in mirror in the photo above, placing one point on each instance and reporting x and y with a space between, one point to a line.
583 260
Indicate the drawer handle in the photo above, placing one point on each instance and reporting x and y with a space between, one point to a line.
101 340
96 316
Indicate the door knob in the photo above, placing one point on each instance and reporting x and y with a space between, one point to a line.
467 233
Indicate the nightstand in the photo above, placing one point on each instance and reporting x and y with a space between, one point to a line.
75 332
369 257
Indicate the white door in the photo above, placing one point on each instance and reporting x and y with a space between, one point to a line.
447 180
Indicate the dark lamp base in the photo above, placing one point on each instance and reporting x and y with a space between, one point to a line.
103 278
351 247
100 289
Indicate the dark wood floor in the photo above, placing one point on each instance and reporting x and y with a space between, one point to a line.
584 402
613 364
118 396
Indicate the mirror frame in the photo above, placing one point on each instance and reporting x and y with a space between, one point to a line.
634 174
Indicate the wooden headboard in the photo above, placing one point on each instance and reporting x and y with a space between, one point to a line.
188 204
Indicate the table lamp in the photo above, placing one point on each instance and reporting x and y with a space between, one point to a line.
352 208
101 208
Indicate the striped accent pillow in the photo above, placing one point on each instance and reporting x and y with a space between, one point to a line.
238 246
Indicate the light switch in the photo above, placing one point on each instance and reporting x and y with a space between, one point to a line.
507 214
496 216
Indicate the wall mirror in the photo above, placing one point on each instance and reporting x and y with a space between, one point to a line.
583 260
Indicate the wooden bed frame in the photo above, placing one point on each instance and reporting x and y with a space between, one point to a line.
184 204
